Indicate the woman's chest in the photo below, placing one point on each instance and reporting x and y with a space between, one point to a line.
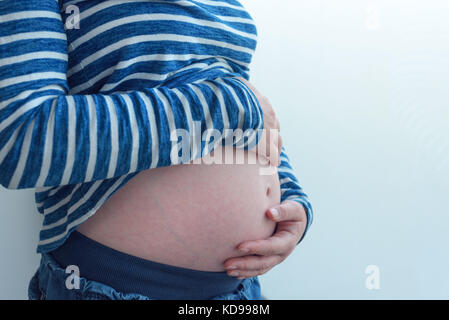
127 45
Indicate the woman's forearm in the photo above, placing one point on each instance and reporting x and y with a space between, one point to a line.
51 138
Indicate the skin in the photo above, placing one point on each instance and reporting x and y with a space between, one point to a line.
263 255
290 216
267 147
192 216
259 256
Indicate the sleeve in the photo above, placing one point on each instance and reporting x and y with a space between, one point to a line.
50 138
291 190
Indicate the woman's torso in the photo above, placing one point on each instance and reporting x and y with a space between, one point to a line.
190 215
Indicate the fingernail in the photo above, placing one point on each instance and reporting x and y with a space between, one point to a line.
274 213
244 250
233 274
231 267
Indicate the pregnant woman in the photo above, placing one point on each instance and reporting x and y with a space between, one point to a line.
93 95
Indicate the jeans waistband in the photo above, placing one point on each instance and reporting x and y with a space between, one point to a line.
130 274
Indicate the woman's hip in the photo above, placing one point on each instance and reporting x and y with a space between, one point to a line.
84 269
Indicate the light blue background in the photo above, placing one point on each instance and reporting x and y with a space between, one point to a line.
361 90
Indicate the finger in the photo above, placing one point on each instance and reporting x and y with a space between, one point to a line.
252 263
252 273
278 244
287 211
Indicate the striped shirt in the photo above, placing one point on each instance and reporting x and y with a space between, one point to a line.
91 90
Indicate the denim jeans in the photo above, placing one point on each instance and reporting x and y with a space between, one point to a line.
49 283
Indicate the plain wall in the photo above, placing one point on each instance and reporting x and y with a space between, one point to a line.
360 88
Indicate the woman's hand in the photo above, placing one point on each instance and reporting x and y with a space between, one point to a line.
265 254
270 143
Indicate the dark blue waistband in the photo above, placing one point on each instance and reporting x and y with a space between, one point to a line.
130 274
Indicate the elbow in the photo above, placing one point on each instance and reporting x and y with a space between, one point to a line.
19 154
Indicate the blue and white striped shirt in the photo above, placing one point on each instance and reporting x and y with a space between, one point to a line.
90 91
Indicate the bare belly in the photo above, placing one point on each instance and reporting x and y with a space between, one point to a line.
191 216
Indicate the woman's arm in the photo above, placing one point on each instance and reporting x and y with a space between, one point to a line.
50 138
260 256
291 190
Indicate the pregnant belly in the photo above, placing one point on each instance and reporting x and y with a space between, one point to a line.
191 216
